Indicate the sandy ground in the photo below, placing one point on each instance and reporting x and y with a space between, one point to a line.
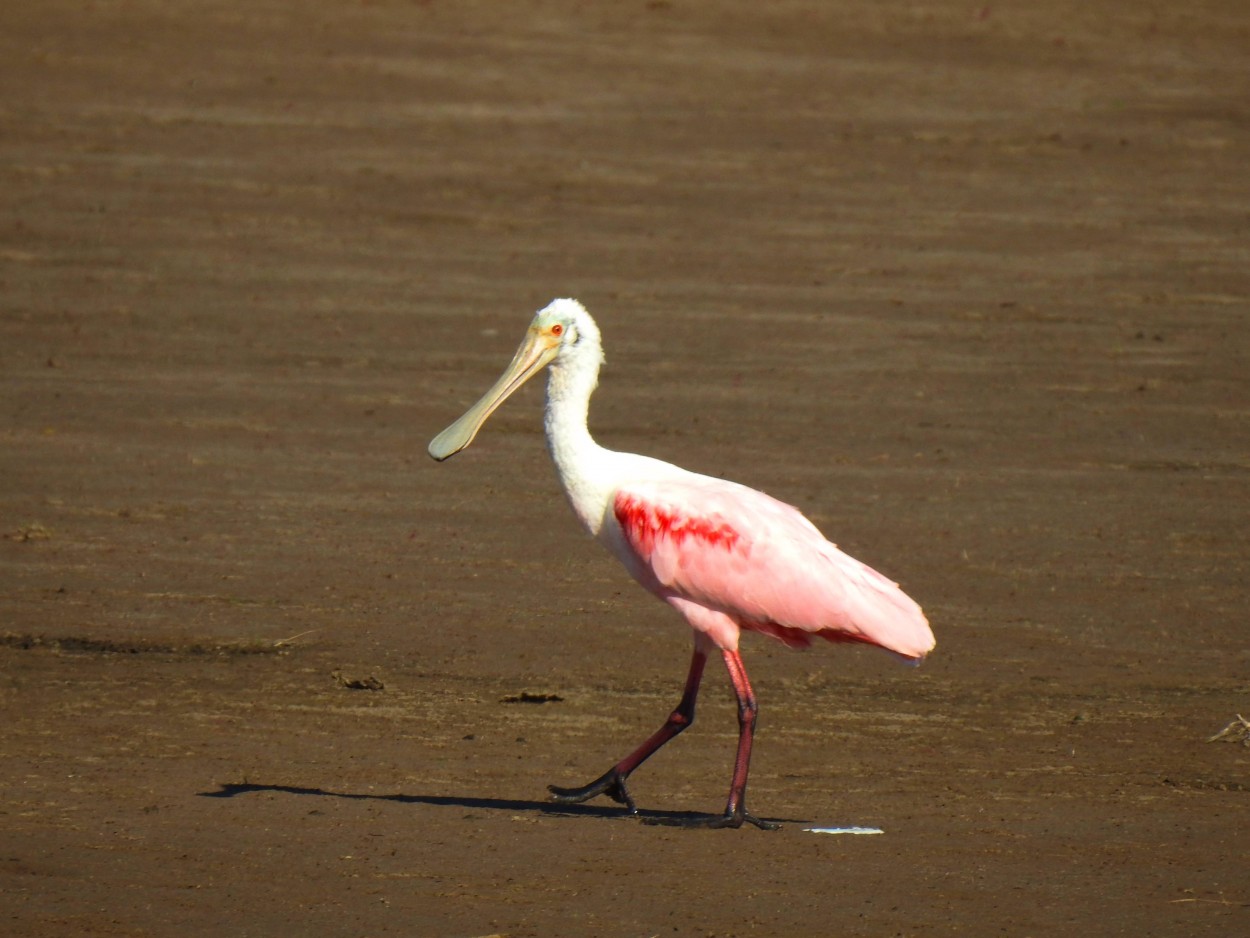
967 283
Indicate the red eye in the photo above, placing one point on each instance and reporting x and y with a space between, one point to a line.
557 329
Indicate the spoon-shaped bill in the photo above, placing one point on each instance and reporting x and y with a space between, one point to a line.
535 352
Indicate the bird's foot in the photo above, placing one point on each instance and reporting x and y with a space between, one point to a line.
734 819
740 817
610 783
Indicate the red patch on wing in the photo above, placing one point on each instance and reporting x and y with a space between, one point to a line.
801 638
795 638
645 523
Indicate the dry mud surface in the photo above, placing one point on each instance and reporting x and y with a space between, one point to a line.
965 282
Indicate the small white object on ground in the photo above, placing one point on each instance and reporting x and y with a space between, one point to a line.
844 830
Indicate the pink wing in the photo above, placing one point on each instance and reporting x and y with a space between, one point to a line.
732 550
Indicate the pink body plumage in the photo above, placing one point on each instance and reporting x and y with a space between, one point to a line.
729 558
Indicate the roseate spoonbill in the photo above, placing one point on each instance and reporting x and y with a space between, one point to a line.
723 555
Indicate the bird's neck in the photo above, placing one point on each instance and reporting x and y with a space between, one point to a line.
574 451
569 386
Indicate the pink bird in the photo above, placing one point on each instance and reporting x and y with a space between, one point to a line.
725 556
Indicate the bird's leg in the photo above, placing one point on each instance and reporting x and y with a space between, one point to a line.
612 782
736 813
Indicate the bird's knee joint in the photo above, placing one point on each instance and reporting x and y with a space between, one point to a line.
680 720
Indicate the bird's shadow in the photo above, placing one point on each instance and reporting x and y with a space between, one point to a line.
545 808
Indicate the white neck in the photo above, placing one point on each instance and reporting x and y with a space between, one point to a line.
580 461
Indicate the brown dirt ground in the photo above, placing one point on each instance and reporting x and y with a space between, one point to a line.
966 282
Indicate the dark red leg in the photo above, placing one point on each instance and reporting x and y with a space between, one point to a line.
735 811
612 782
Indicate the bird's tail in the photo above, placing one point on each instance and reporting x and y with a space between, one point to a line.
883 615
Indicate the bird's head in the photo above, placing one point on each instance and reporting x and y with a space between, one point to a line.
558 330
